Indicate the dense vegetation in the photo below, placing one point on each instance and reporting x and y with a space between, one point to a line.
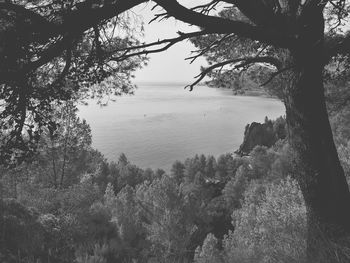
53 51
70 205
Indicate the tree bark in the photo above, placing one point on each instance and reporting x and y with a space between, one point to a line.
319 172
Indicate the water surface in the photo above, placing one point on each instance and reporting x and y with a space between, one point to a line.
162 123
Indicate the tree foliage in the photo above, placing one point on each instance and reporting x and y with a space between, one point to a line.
52 51
41 69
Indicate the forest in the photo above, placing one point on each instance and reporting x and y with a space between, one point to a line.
282 197
69 204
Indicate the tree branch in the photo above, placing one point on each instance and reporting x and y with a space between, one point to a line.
244 62
74 24
274 75
167 42
206 8
40 26
214 44
224 26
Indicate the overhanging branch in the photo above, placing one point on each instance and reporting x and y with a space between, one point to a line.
242 62
214 44
167 43
224 26
73 25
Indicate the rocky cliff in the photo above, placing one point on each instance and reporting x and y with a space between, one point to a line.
264 134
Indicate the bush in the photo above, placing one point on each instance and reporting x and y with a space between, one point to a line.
209 252
270 227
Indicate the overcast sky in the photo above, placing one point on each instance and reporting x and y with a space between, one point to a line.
168 66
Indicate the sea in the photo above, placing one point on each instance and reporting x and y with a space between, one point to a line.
163 122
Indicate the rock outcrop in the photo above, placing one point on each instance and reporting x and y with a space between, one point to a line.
264 134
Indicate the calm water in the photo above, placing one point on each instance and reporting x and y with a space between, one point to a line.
164 123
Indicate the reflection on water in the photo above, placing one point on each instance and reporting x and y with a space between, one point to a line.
164 123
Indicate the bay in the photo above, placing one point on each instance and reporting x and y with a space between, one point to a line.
163 123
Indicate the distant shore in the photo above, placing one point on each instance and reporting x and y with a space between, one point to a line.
248 92
255 93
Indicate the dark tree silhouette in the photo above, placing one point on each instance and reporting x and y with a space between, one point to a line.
38 35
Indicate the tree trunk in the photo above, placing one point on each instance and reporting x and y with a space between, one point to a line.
319 173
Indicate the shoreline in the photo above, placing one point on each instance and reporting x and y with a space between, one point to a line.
246 93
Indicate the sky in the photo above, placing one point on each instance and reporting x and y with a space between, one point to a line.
170 65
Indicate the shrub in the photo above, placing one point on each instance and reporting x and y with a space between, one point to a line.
270 227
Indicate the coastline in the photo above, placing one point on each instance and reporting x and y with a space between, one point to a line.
246 93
